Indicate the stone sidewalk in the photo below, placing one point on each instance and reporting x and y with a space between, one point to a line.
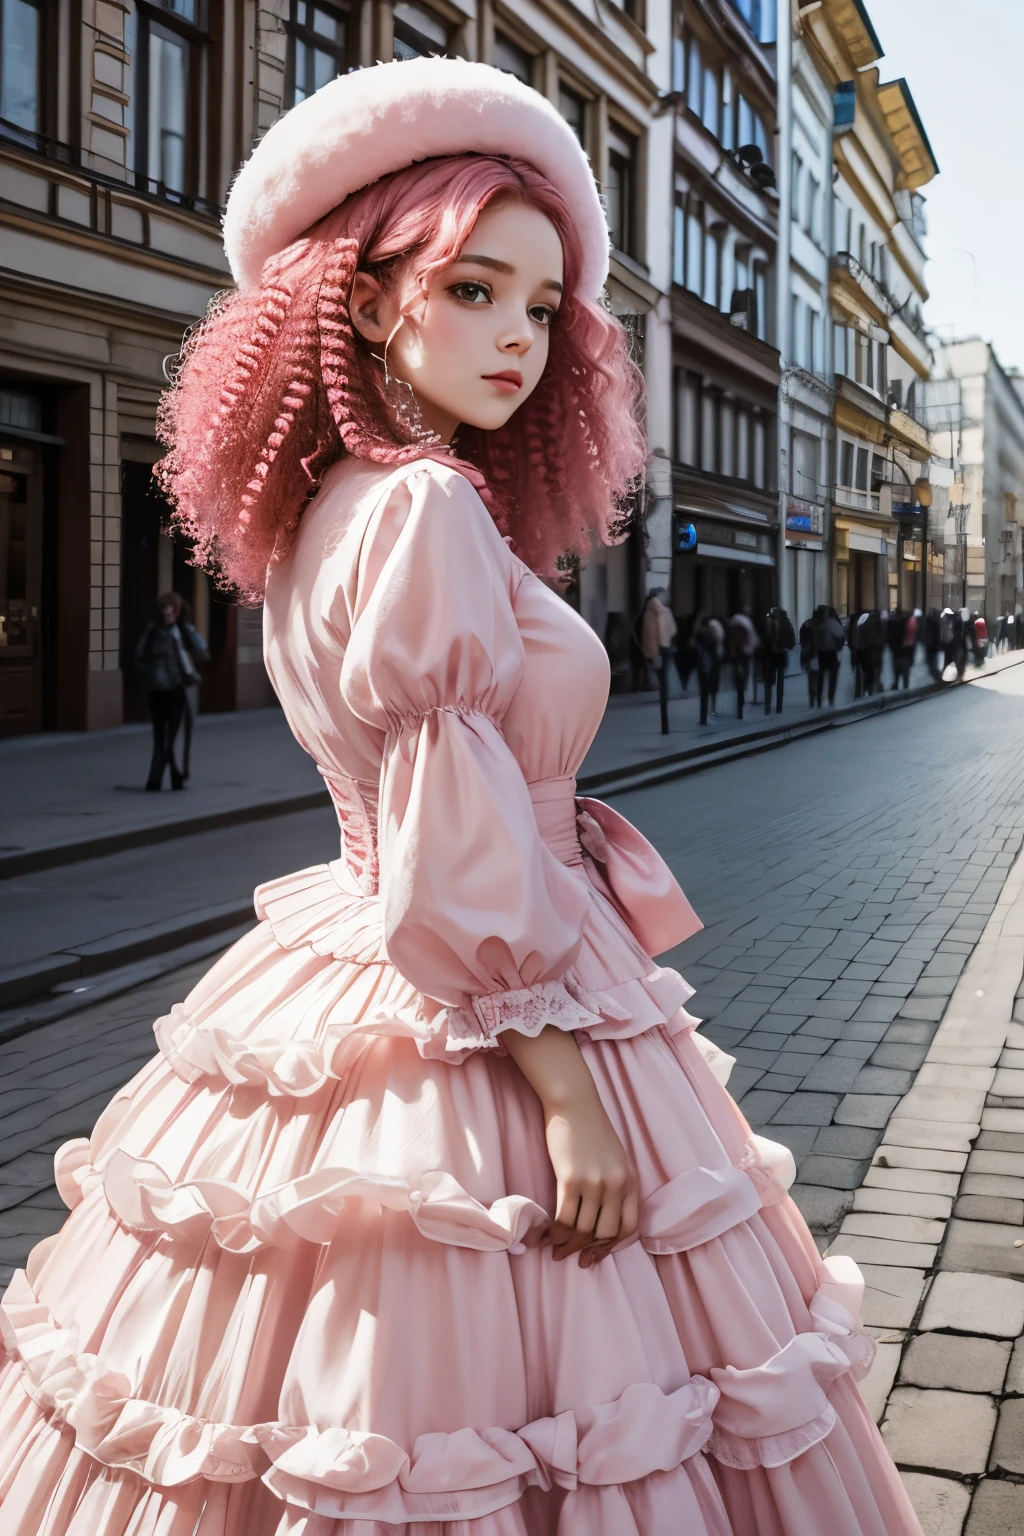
938 1230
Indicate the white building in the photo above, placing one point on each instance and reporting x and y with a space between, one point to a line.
976 410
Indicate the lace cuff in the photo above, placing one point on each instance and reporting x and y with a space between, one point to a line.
526 1009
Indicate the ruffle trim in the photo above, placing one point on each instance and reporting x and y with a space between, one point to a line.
352 1474
323 909
688 1210
744 1419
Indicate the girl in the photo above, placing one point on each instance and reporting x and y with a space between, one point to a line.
431 1215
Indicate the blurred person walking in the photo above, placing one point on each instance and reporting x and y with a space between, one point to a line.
165 667
200 655
933 642
809 660
657 632
779 640
708 662
743 641
828 637
902 642
871 628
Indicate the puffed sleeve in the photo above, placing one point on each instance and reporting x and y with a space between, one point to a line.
479 915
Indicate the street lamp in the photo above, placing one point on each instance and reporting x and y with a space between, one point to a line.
923 497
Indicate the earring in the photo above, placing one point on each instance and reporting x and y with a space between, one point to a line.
401 399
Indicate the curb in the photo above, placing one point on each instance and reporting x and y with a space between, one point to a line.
677 765
18 983
52 855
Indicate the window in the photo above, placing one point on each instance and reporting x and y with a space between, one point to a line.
839 348
796 188
761 301
727 455
712 250
880 370
709 432
760 467
512 59
814 209
846 463
317 47
694 77
679 244
621 189
794 329
679 64
744 122
21 75
165 86
419 31
814 359
573 108
694 246
761 137
861 474
877 472
727 134
742 444
687 417
709 101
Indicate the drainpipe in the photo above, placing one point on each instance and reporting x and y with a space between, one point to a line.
783 340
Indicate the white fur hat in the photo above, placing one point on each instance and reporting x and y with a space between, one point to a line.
373 121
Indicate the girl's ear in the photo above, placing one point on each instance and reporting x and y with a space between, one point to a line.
366 307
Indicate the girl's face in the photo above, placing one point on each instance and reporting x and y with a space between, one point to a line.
474 346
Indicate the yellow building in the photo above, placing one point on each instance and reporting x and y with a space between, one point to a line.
881 355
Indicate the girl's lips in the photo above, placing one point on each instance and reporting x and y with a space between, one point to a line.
509 386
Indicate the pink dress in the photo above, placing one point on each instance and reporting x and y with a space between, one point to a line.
300 1292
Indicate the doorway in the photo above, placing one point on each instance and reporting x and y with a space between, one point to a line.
21 587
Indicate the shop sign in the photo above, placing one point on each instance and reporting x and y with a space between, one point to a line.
804 522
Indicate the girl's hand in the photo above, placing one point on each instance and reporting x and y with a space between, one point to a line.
596 1204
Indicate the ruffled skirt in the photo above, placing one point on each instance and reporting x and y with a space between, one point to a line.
299 1291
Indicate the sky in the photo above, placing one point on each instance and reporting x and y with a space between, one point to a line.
962 61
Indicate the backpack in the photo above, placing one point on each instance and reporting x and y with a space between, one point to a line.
871 637
947 628
773 631
831 634
910 632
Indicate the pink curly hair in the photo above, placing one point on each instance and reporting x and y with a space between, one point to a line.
275 384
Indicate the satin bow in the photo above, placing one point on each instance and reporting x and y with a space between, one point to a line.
638 880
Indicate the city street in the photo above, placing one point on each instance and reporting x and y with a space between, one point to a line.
849 884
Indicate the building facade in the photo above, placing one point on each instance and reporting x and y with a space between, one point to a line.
880 353
725 376
976 411
121 125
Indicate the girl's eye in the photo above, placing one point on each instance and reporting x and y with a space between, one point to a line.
468 291
543 314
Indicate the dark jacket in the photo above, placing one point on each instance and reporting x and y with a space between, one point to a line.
158 662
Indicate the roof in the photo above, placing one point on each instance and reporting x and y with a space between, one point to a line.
917 158
850 19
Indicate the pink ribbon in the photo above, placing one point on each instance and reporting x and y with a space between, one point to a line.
639 881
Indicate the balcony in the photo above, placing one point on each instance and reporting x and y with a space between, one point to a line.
856 500
79 163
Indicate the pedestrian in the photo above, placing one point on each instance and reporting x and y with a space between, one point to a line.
431 1197
1018 628
871 627
902 640
657 633
705 643
165 667
933 642
200 654
742 645
779 640
809 661
829 637
954 649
